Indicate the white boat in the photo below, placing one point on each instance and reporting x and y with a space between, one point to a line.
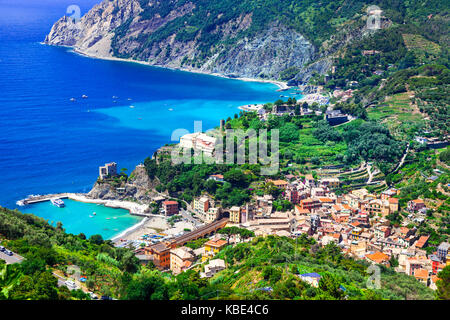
58 203
84 96
94 213
115 97
132 107
72 99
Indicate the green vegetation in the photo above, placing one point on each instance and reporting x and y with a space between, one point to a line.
273 262
276 262
49 249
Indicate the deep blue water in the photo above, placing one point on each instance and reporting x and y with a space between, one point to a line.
50 144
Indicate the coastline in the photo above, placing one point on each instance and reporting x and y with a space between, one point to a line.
130 230
281 85
132 207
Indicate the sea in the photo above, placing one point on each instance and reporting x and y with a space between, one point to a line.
50 144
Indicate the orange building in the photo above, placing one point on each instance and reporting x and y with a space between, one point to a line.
160 253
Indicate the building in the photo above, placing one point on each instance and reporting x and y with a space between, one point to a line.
422 242
235 214
312 278
282 184
335 117
205 143
292 196
416 205
199 142
331 183
213 214
216 177
317 192
393 205
442 251
421 275
309 180
108 170
361 194
201 205
212 247
378 258
389 193
213 267
310 204
377 206
160 255
181 259
170 207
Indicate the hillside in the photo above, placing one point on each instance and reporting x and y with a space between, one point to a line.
265 38
272 262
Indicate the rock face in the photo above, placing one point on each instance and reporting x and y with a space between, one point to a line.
93 33
121 28
138 187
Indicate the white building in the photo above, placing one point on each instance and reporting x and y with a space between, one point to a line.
213 267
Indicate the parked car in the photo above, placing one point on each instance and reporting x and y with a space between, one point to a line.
93 296
2 249
105 298
9 253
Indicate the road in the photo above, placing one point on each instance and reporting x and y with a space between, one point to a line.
187 215
15 258
402 160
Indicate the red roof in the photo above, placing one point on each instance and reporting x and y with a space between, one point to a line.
378 257
169 202
421 242
421 273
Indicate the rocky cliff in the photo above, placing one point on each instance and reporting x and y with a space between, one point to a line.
138 187
141 30
246 38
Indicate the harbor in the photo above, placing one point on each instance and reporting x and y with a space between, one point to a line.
133 207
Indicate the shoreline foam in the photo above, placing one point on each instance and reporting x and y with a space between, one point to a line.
281 85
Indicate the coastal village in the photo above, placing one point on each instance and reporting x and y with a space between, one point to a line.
355 222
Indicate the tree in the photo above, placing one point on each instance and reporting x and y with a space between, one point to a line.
289 133
443 284
330 284
236 177
96 238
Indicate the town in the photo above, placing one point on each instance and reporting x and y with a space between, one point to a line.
356 222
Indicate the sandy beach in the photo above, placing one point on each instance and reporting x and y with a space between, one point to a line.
152 225
133 207
148 225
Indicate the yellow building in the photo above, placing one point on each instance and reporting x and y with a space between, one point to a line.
212 247
235 214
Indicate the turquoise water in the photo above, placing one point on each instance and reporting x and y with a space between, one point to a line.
78 217
50 144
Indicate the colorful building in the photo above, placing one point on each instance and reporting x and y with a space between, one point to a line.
170 207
